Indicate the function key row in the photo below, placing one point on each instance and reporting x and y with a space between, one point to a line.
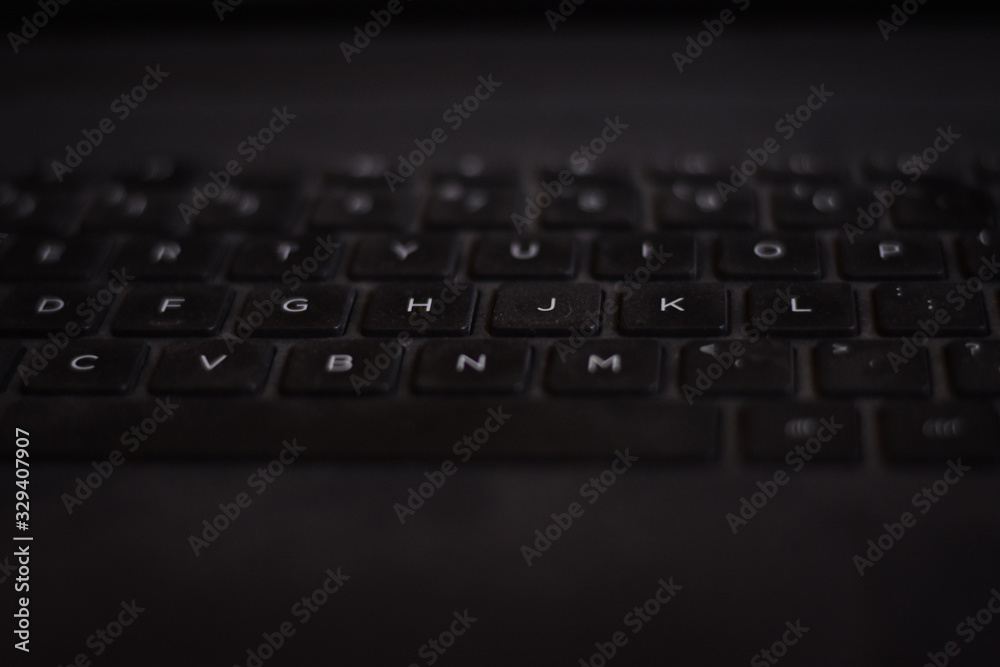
449 308
552 202
665 256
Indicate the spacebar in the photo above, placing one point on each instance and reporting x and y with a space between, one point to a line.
65 427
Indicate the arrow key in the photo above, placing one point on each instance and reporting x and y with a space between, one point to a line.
211 367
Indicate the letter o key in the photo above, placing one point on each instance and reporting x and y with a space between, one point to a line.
769 249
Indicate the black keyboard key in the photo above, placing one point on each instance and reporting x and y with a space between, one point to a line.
91 367
519 257
803 309
343 367
813 205
27 210
924 433
311 310
487 366
853 368
163 259
190 310
944 205
387 257
155 171
883 167
456 203
37 311
357 206
736 367
592 203
979 255
697 203
435 309
806 168
50 259
212 367
675 310
603 366
278 258
974 366
881 256
554 309
646 257
936 309
769 256
798 433
143 210
243 206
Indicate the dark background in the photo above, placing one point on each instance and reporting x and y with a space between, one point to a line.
462 550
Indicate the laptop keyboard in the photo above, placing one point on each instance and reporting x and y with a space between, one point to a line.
645 306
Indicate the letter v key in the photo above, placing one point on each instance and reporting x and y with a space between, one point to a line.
210 365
